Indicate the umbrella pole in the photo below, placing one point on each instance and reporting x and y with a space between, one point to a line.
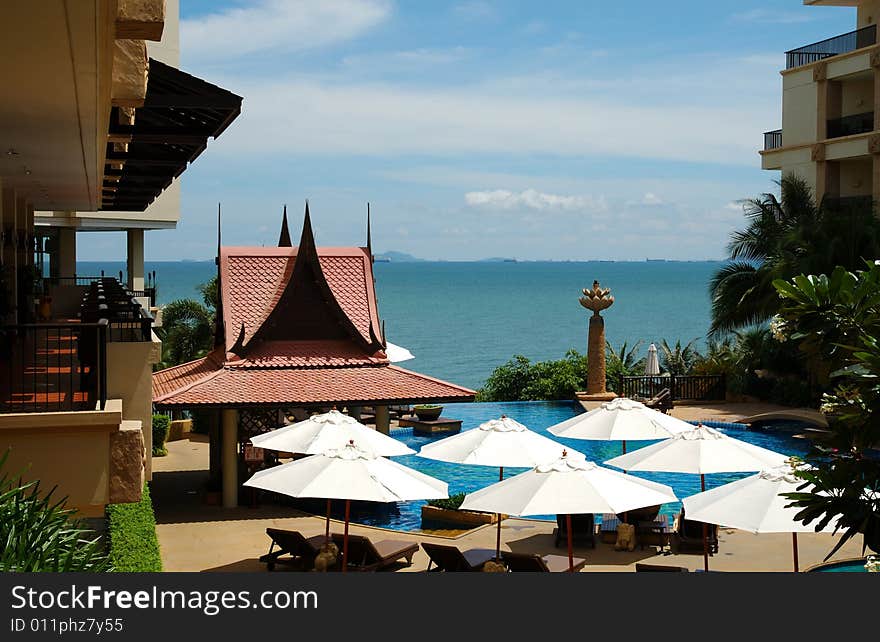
570 553
327 527
498 516
624 446
794 551
705 530
625 516
345 536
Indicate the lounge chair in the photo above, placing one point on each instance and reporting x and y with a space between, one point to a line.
662 401
536 563
451 558
583 530
301 551
365 555
644 568
690 534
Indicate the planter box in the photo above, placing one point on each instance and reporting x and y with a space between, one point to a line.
445 517
427 414
179 429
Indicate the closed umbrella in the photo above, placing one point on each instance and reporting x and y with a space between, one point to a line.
621 419
700 451
328 431
755 504
349 473
652 365
497 442
568 486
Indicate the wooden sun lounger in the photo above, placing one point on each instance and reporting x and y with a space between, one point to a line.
534 562
365 555
451 558
301 551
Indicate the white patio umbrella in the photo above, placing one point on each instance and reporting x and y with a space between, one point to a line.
652 365
396 353
328 431
621 419
497 442
568 486
349 473
700 451
754 504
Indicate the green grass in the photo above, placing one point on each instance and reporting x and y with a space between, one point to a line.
134 547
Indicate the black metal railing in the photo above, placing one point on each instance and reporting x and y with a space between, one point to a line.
844 43
847 205
148 293
773 140
682 387
52 367
71 280
107 299
850 125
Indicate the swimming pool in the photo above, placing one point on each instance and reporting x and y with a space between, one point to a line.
538 416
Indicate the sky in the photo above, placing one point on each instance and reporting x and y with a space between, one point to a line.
546 130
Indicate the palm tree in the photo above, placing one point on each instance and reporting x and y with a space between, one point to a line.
786 237
678 360
188 327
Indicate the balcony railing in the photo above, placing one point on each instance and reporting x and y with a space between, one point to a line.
844 43
850 125
690 387
107 299
772 140
53 367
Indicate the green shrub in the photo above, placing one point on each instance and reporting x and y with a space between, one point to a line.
453 502
134 547
39 533
521 380
160 433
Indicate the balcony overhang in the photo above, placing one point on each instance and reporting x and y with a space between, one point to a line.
148 149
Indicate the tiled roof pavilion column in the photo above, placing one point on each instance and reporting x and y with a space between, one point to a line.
298 330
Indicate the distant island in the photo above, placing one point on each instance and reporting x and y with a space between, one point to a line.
392 256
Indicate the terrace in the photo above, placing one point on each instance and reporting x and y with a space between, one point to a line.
844 43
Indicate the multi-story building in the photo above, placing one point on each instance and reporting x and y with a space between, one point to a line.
830 132
96 126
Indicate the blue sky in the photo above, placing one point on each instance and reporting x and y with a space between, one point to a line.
552 130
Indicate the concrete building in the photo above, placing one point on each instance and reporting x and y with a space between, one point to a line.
830 133
96 126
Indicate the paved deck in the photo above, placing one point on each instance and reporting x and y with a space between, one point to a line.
197 537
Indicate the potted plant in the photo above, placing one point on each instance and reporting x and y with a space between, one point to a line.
428 411
446 513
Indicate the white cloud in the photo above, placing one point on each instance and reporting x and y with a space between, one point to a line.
408 60
277 26
475 10
770 16
651 199
532 199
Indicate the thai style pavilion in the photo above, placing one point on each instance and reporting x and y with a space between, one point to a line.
297 328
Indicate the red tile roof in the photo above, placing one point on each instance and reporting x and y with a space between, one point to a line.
236 387
307 354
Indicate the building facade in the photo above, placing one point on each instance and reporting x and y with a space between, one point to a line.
830 133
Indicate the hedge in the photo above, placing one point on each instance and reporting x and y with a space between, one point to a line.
134 547
160 434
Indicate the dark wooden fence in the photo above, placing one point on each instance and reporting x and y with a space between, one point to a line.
682 387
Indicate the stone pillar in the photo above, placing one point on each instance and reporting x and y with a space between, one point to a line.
383 420
596 300
229 456
135 259
66 252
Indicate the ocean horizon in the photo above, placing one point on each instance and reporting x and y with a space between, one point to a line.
461 319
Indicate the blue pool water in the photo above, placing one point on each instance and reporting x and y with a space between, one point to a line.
849 566
539 416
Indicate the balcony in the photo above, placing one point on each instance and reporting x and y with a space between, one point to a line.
850 125
837 45
772 140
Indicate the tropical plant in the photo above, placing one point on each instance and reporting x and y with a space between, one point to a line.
453 502
837 318
785 237
40 533
188 327
160 434
678 360
134 546
623 362
521 380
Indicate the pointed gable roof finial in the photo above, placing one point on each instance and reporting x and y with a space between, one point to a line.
219 323
284 238
369 234
307 240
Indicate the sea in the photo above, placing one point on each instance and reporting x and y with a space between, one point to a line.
463 319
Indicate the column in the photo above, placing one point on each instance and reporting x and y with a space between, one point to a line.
875 181
383 420
7 251
19 245
354 412
29 234
66 252
229 456
135 259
